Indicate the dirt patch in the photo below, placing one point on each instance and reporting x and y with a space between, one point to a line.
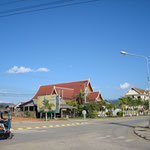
24 119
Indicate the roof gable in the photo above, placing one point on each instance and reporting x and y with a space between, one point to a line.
76 86
135 91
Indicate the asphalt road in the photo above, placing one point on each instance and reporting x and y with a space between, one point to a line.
107 134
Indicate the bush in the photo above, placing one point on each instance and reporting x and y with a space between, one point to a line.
120 114
27 113
91 115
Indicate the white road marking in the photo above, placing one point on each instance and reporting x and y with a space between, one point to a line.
104 137
129 140
20 128
120 137
63 125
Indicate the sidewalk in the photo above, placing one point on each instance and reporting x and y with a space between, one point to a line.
143 131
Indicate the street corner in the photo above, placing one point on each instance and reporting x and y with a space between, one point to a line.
142 131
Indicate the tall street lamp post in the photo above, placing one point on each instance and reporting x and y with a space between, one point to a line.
146 58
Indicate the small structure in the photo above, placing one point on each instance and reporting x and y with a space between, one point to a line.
137 93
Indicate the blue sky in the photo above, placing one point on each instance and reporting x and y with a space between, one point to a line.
74 43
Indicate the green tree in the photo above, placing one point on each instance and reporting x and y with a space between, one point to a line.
1 106
80 97
47 106
146 104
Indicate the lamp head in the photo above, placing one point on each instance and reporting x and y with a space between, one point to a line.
124 53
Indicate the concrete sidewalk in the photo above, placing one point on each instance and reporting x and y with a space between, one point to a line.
143 131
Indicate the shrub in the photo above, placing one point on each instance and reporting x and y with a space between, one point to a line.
27 113
91 115
120 114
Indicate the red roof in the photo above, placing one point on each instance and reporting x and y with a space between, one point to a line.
93 95
73 88
66 93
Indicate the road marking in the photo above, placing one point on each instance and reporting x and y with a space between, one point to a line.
104 137
37 127
57 125
120 137
48 126
129 140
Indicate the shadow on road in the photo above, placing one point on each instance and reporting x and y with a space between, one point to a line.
4 138
126 125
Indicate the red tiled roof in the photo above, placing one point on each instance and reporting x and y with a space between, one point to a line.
93 95
76 86
66 93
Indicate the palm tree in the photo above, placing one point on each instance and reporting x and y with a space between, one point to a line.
122 102
47 106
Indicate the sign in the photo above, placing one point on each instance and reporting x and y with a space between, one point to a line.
84 114
53 99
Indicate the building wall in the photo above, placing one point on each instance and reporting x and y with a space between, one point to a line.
88 89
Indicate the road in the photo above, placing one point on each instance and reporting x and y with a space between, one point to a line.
105 134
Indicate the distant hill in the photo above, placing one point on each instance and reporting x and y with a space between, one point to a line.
113 101
4 104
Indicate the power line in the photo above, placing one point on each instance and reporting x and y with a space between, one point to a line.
35 6
59 6
11 2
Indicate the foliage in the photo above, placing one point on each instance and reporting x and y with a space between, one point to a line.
71 103
1 106
27 113
120 114
93 108
46 107
80 98
146 104
130 101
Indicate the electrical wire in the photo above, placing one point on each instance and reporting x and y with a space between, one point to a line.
11 2
42 9
34 6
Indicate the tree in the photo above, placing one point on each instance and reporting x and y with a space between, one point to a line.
146 104
80 97
1 106
47 106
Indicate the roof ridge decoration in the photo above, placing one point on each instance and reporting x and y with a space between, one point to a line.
66 83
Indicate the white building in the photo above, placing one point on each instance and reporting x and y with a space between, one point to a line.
137 93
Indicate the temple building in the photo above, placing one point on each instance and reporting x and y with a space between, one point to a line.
80 91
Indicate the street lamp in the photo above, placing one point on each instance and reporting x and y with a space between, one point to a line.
146 58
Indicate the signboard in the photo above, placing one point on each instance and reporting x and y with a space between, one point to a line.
53 99
84 114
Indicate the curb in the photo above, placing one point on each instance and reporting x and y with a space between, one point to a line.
141 136
48 126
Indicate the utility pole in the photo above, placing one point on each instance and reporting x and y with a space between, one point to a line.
85 92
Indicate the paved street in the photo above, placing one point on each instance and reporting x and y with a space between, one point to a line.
100 134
